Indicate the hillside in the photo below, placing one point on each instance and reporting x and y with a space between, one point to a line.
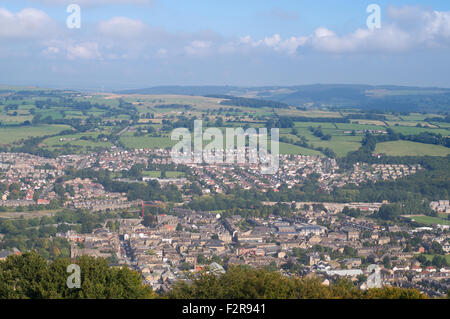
367 97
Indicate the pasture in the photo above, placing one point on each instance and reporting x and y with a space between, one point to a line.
407 148
14 134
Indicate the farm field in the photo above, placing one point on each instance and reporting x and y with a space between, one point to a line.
360 127
428 220
14 133
324 125
411 124
417 130
311 113
80 142
369 122
207 109
408 148
290 149
8 118
341 145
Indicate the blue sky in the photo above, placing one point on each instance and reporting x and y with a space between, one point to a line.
140 43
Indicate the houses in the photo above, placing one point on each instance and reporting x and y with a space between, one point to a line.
5 253
352 234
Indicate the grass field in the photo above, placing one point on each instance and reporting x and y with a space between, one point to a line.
428 220
157 174
57 142
359 127
407 148
13 134
340 143
411 130
309 113
139 142
289 149
33 214
430 257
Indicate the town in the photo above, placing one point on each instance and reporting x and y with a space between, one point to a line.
319 239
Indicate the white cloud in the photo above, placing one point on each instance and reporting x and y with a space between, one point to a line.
198 48
122 27
51 51
27 23
386 39
87 51
275 43
404 29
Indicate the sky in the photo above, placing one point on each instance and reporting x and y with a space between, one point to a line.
142 43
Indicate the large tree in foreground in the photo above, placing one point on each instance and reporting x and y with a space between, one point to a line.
30 276
247 283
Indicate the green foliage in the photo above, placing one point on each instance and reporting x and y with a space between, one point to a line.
246 283
29 276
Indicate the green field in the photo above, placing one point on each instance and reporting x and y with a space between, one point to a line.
289 149
428 220
76 141
14 134
430 257
138 142
412 130
359 127
407 148
157 174
340 143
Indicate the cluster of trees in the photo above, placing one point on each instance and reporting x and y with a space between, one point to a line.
280 122
29 276
68 103
247 102
411 207
321 119
39 233
223 202
425 137
181 122
317 132
173 106
143 191
439 119
31 146
35 233
352 212
246 283
438 261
